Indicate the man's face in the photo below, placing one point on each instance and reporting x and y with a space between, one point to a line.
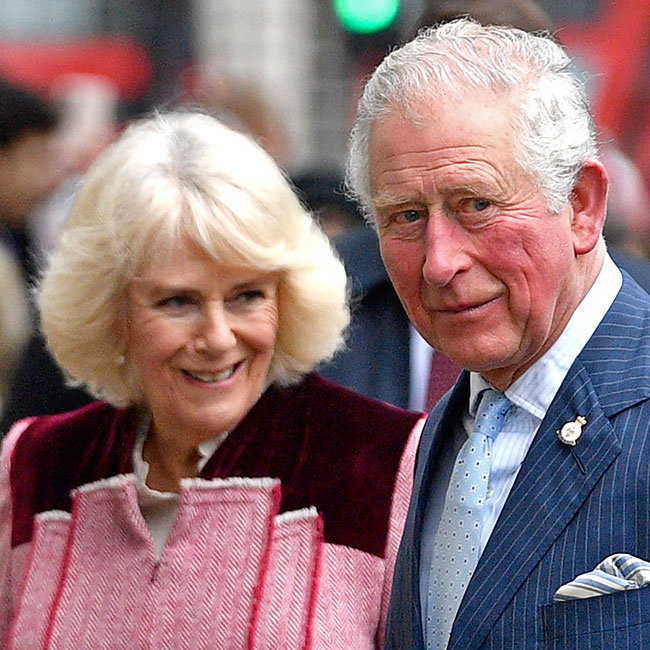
486 272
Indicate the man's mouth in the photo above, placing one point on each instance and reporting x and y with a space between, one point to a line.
465 307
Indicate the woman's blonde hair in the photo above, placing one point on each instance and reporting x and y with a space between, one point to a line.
174 176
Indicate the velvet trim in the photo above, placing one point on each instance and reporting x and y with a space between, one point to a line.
330 448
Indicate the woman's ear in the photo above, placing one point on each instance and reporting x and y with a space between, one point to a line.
589 203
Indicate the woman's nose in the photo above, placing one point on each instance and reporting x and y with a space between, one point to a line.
215 333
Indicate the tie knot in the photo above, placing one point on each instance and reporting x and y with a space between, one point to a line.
492 410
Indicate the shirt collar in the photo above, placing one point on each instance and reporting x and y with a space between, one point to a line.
535 389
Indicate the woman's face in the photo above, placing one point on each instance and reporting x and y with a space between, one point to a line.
201 336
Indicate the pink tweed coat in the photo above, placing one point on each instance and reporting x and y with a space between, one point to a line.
286 540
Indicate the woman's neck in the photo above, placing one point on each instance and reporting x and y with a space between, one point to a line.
168 463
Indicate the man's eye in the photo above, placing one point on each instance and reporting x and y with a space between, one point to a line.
474 204
407 216
480 204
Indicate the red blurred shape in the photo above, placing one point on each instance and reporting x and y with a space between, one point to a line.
42 64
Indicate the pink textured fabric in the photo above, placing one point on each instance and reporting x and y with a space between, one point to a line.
20 557
201 592
399 510
214 560
234 574
7 584
41 583
348 603
286 606
108 563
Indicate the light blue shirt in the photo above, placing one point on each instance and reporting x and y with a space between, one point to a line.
420 357
531 394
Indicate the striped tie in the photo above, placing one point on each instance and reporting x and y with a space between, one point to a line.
456 544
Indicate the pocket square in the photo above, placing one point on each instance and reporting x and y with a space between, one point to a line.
618 572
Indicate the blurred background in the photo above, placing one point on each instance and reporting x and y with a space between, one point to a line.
301 60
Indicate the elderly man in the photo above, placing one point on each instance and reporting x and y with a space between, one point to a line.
474 154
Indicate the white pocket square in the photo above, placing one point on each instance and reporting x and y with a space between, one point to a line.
618 572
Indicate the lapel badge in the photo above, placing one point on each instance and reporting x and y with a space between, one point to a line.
571 431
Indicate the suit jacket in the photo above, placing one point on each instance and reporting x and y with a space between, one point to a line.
375 362
569 508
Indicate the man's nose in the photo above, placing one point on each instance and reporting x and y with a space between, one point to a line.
444 250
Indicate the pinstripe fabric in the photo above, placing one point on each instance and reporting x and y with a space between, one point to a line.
568 509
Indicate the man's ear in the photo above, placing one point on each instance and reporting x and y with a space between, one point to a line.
589 202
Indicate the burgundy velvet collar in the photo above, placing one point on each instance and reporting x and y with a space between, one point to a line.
330 448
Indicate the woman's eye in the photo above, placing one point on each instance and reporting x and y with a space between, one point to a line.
175 303
250 295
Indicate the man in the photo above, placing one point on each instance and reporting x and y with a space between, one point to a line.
474 153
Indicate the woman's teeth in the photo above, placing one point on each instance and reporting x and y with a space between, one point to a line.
212 377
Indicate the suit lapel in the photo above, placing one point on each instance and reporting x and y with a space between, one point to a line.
555 479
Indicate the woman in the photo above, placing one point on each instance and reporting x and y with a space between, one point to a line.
222 495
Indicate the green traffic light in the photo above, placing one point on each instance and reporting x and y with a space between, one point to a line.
366 16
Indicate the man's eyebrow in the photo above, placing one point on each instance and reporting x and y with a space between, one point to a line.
389 199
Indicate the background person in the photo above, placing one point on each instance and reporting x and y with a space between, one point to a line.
375 361
28 173
474 153
221 490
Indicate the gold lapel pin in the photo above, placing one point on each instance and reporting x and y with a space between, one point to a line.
571 431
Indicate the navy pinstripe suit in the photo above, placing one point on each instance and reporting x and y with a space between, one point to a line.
569 508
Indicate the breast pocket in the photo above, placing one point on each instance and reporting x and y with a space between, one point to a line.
619 621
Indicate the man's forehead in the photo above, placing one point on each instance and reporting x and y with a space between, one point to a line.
468 131
436 111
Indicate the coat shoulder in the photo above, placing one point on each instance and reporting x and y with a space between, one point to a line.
57 453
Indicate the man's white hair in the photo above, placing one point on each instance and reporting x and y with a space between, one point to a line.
551 119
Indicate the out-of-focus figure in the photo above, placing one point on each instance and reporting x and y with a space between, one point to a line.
242 106
87 124
29 171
